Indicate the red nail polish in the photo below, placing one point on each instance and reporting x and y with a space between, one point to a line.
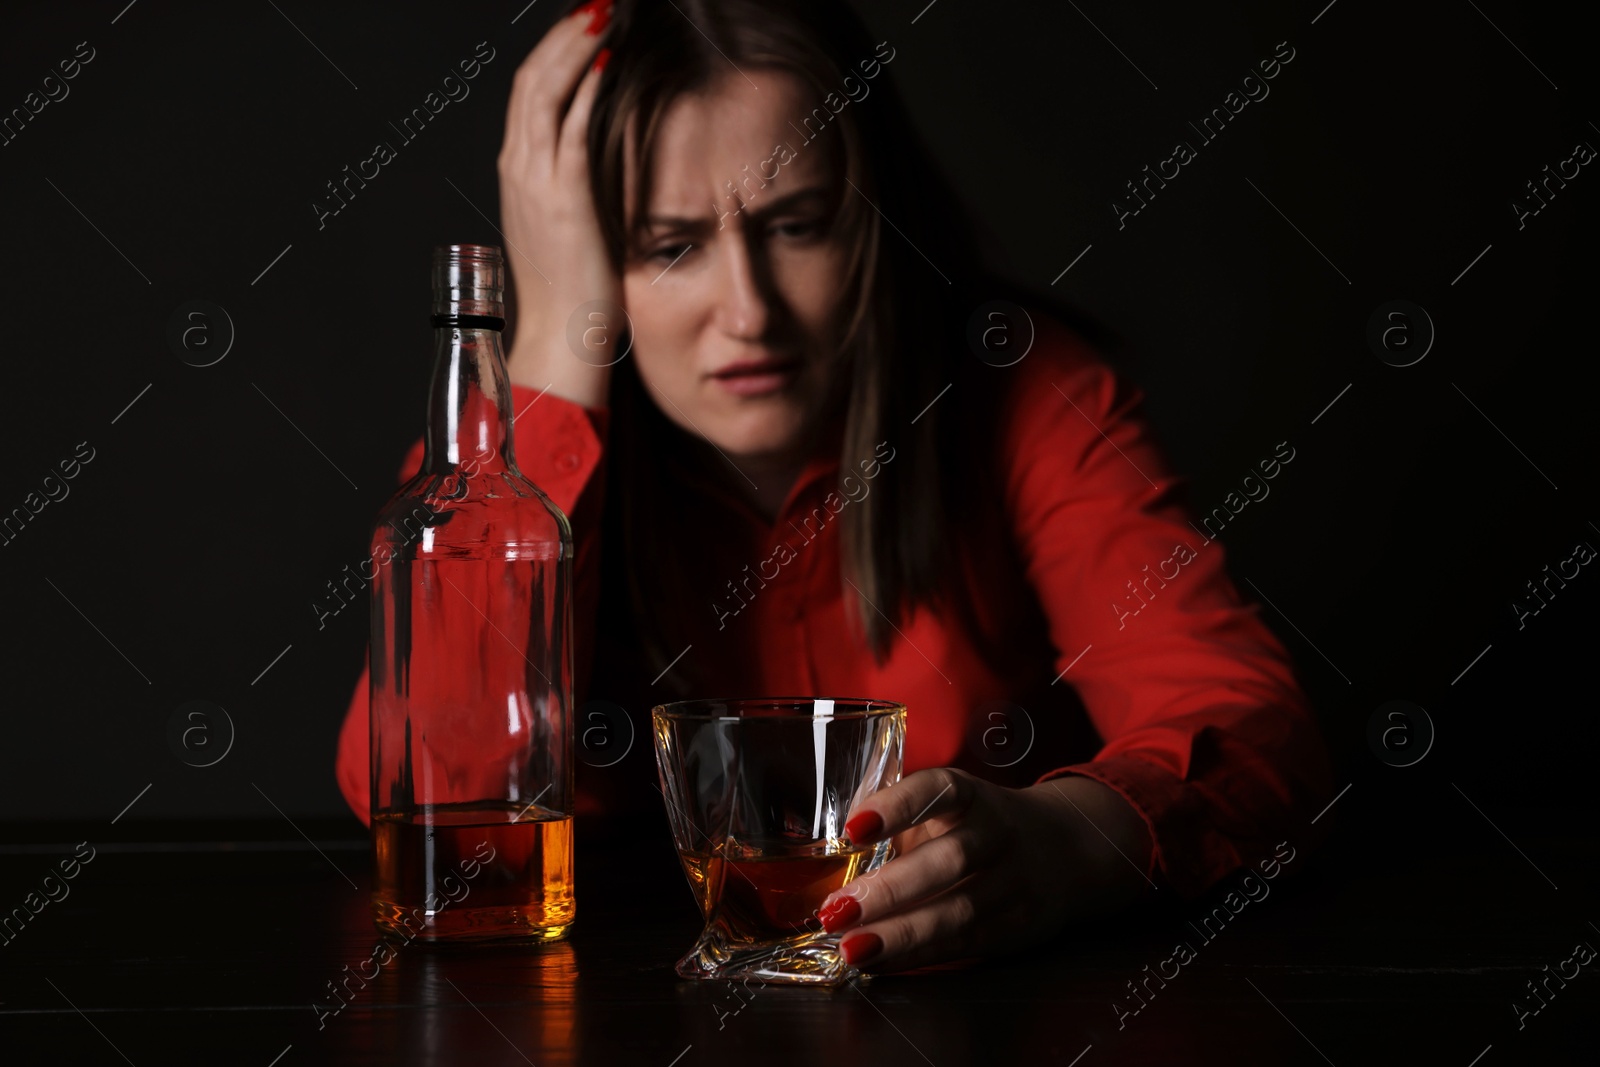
600 17
601 59
859 948
840 913
864 827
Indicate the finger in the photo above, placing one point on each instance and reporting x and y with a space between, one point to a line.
925 794
926 871
908 839
545 79
573 147
954 925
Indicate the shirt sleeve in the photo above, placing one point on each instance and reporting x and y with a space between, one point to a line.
559 445
1206 731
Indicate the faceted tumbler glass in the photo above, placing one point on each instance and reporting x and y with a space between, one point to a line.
757 793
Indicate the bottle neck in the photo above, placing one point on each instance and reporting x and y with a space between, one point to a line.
469 403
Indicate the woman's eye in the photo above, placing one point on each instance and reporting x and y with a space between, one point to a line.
670 253
796 229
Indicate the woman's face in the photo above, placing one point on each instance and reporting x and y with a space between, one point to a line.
743 275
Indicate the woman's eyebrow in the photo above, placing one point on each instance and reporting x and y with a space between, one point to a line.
783 203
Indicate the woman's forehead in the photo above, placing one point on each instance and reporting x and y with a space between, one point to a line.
749 133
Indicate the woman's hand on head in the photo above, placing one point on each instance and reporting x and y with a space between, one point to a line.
982 869
552 231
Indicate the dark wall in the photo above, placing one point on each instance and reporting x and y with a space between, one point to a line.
185 160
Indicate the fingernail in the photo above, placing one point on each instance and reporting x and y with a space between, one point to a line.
841 913
864 827
601 59
859 948
600 20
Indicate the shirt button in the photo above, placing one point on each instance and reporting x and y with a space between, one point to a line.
567 462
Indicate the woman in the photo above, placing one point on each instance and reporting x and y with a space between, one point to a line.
802 478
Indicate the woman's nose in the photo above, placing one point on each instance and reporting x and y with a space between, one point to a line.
744 306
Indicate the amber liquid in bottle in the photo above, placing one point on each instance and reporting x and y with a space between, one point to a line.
490 872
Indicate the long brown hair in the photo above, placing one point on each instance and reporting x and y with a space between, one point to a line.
913 267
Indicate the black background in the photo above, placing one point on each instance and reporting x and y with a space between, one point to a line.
189 552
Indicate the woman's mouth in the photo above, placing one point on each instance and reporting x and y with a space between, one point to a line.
757 377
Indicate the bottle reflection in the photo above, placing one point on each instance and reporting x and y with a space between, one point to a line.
431 1005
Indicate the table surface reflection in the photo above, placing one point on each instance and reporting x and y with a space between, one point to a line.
196 944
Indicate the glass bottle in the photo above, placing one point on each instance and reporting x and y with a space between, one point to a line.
471 655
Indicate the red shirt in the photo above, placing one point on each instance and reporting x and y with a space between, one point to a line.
1129 648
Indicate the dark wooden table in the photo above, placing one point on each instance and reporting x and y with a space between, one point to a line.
1406 938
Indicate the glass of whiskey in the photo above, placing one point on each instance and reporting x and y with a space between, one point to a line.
757 793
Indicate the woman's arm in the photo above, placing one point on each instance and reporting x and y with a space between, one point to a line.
1207 732
1211 752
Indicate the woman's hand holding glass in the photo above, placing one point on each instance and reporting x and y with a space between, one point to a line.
982 869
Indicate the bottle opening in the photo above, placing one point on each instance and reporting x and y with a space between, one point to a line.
469 286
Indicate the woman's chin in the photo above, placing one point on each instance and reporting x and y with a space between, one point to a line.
758 435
